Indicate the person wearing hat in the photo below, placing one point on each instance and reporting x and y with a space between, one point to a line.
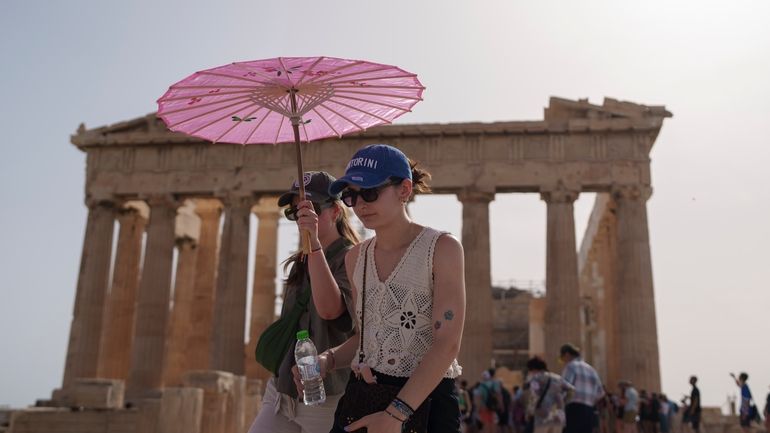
411 277
581 405
317 296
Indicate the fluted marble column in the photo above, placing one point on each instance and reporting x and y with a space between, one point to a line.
637 329
181 322
93 280
153 300
263 294
202 309
227 348
562 311
118 331
476 349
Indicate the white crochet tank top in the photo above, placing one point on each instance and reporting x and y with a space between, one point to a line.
398 327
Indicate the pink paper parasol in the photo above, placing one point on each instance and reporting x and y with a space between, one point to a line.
288 99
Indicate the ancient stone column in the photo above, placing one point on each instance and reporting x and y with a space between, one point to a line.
187 229
202 309
637 329
181 315
153 300
88 315
476 349
537 327
227 349
263 295
562 311
118 331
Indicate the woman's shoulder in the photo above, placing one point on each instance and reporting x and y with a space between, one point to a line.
447 244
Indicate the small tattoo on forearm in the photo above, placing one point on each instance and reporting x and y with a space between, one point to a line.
437 325
449 315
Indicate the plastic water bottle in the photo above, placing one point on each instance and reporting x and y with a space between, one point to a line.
309 367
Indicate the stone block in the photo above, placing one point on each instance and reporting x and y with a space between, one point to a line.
252 400
235 406
5 417
97 393
69 421
181 410
209 380
218 388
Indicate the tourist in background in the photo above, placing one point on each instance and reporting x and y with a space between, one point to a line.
466 404
665 414
606 411
747 414
547 400
630 402
581 405
766 412
648 412
504 416
518 410
694 410
487 398
617 402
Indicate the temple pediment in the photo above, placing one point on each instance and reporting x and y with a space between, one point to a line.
561 116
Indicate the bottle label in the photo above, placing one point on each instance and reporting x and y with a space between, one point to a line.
309 368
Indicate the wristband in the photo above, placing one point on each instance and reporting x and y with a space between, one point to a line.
402 407
316 250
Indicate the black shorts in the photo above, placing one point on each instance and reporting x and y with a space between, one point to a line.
444 405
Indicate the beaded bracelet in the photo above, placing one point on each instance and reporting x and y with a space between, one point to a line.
402 407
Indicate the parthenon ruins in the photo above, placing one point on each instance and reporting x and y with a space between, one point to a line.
165 331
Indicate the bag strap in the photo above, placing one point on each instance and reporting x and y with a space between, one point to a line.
545 391
363 305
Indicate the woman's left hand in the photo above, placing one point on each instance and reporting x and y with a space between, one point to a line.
378 422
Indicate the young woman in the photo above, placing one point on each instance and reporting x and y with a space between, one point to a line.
412 278
327 317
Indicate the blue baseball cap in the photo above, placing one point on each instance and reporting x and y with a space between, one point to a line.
373 166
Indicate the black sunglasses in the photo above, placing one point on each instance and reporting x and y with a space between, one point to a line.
291 212
350 197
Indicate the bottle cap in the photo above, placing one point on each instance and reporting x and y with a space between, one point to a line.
302 335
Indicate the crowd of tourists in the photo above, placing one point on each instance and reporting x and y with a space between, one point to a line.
576 401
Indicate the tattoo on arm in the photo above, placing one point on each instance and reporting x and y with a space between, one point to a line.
448 315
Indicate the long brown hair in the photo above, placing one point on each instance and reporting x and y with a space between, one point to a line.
294 266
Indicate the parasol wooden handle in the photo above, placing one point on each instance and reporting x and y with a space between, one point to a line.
305 242
295 120
303 234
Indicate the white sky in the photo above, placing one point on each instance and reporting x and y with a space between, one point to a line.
708 62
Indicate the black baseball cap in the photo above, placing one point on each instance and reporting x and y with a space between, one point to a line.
317 185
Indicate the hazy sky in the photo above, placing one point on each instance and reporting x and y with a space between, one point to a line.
102 62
